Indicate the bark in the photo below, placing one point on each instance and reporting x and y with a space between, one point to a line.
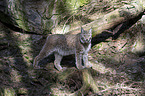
110 21
88 81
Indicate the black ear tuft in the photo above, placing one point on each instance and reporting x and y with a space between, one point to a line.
82 30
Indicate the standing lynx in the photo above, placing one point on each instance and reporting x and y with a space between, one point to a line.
62 45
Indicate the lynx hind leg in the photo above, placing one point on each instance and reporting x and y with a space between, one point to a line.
41 55
57 61
85 60
79 61
36 61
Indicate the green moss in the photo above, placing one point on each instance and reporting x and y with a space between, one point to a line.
19 14
26 57
22 24
97 46
73 5
9 92
22 91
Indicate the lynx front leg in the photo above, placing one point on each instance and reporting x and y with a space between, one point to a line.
85 60
57 61
79 61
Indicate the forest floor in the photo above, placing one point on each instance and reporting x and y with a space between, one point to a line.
116 69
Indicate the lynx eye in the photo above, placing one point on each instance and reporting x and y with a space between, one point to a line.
89 40
82 39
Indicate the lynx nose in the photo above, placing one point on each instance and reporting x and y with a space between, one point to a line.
88 40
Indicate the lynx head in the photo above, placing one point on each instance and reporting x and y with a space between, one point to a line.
85 36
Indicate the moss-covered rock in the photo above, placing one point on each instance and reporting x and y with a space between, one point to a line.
38 16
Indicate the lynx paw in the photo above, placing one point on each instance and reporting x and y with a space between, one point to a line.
62 69
80 68
88 66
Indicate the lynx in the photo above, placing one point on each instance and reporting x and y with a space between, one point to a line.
62 45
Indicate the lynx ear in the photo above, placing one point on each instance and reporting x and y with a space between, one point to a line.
82 30
90 31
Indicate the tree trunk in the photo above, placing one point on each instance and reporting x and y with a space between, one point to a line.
111 20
